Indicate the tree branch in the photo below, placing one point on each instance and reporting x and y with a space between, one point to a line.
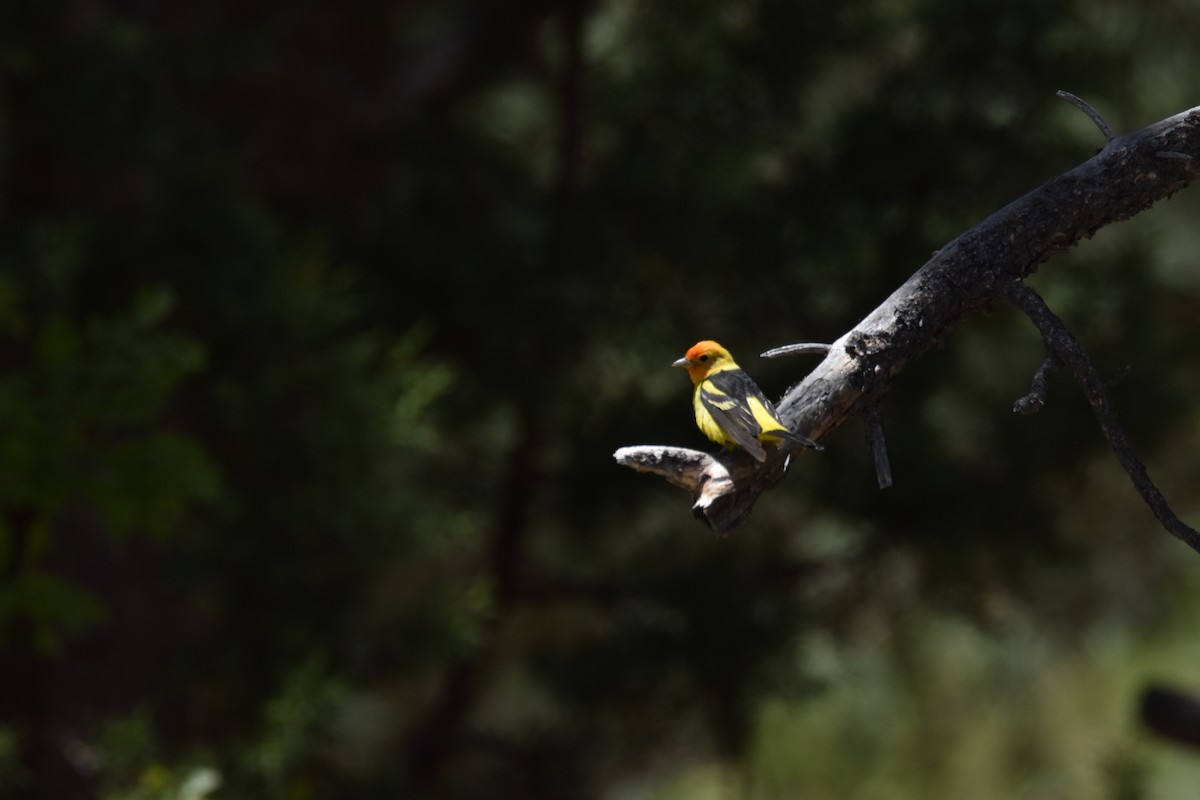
1092 113
1032 403
1128 176
1066 348
816 348
723 485
873 417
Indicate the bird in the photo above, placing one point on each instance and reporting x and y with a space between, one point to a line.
730 408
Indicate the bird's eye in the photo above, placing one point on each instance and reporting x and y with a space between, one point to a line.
703 358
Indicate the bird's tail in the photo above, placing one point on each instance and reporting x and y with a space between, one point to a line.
795 438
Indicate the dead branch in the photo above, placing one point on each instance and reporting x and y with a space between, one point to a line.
1126 177
817 348
1092 114
723 485
1066 348
1032 403
873 417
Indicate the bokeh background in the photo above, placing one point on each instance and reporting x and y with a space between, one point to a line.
319 324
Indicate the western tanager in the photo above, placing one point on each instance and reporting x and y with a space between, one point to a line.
730 408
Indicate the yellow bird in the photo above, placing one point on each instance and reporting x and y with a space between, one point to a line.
730 408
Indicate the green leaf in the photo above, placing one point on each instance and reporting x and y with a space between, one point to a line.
152 305
58 347
55 608
145 486
12 320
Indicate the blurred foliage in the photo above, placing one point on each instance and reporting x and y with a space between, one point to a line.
319 324
80 442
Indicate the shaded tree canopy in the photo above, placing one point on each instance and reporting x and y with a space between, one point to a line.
319 324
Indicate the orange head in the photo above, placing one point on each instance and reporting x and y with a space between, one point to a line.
703 358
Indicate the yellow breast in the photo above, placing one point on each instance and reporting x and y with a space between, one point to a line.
704 420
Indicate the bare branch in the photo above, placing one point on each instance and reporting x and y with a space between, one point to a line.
1091 112
1066 347
816 348
723 485
1032 403
1126 177
883 465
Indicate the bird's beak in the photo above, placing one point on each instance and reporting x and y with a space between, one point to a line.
682 362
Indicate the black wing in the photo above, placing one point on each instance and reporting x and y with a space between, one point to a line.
726 402
728 407
799 439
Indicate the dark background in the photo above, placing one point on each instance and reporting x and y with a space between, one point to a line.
319 324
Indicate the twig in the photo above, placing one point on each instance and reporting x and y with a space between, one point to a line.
1032 403
1091 112
1066 347
883 465
815 348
